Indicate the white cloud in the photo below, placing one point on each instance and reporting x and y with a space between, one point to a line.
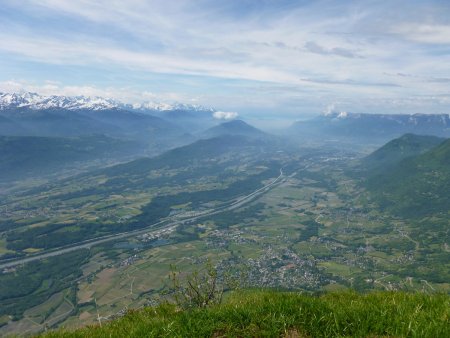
425 33
320 52
331 108
225 115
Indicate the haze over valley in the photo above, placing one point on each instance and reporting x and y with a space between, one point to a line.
296 146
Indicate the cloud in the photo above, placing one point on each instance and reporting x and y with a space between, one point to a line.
352 83
424 33
225 115
278 55
84 53
329 109
315 48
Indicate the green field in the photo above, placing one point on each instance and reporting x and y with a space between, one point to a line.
316 231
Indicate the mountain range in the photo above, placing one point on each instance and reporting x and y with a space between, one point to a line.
40 141
32 114
167 125
37 102
149 129
376 128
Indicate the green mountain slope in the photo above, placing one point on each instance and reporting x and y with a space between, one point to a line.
398 149
28 156
282 314
208 151
416 186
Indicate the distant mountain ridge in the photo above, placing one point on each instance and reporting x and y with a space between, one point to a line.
115 122
29 121
35 101
235 128
370 127
159 124
31 114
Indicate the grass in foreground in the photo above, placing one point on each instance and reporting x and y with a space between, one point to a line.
282 314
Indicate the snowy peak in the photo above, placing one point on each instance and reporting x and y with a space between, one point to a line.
36 102
16 100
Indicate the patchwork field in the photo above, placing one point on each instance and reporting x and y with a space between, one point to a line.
313 231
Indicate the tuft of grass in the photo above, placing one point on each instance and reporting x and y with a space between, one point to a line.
288 314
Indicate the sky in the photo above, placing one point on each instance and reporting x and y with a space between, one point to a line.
265 59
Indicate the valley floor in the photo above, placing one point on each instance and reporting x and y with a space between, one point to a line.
314 231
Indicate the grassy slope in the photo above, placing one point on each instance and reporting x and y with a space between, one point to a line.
275 314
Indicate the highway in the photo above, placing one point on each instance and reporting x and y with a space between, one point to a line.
164 224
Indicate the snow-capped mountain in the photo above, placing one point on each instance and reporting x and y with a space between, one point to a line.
156 125
37 102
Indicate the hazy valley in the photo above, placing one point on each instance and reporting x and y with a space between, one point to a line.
91 219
